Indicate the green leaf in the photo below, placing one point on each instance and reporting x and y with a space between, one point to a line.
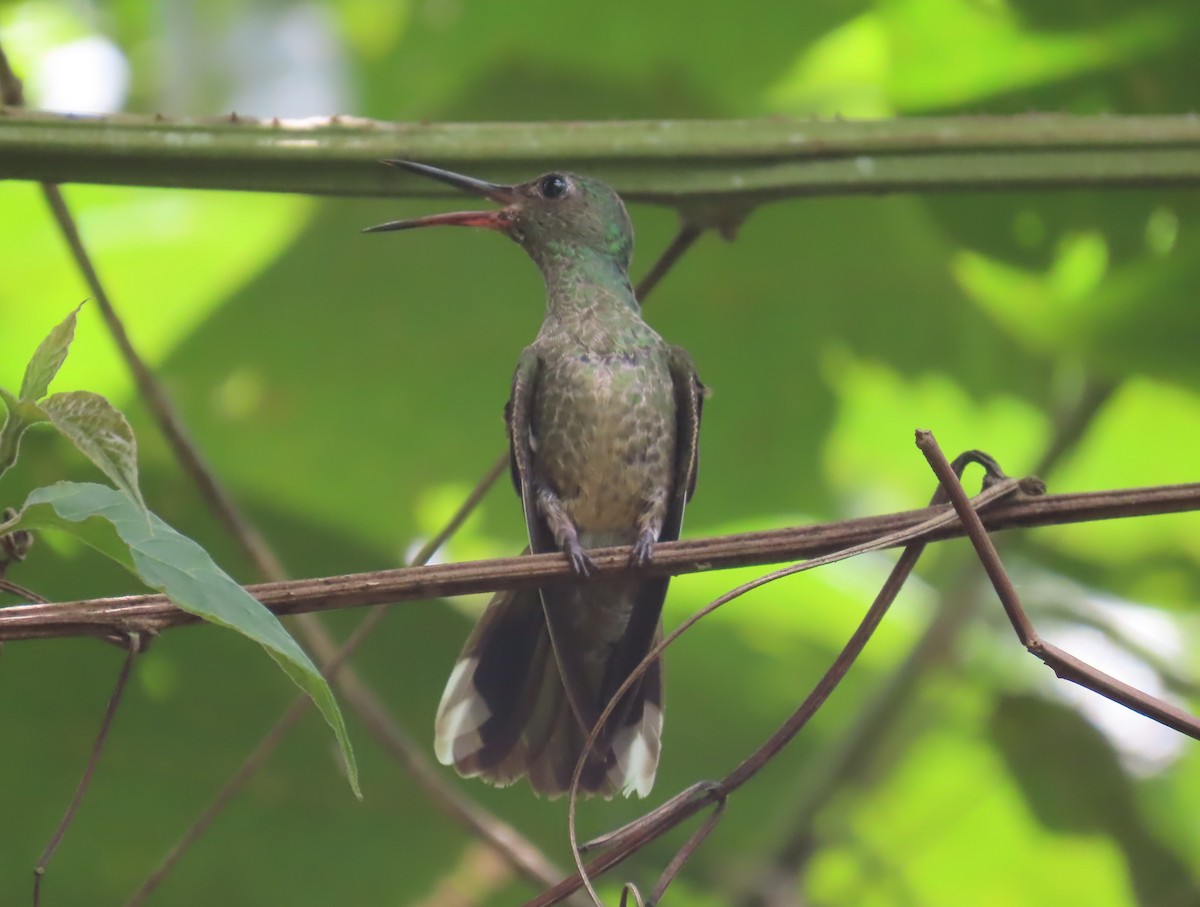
48 359
101 433
112 523
95 531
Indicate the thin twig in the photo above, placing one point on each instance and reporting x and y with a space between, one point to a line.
218 499
687 235
643 830
521 854
135 644
1065 665
649 827
28 595
999 488
236 781
690 846
849 757
155 612
1174 678
630 889
214 493
1071 422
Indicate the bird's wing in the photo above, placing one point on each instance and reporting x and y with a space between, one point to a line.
689 402
519 415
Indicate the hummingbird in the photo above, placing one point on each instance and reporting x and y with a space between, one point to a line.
603 422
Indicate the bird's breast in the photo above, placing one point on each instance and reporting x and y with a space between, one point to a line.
604 437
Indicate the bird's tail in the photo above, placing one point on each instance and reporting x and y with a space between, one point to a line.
505 713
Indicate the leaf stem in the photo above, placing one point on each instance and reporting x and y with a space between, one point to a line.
10 438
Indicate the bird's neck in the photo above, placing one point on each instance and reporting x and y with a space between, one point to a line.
579 280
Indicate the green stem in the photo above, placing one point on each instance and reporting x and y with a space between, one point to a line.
10 439
710 167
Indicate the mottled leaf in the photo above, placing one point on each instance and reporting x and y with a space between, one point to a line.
101 433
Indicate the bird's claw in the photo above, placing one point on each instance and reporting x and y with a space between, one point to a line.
581 565
643 550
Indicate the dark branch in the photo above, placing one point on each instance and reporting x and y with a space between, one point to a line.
1065 665
687 235
855 753
632 838
134 642
642 830
156 613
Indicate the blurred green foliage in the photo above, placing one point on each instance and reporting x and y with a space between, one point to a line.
349 389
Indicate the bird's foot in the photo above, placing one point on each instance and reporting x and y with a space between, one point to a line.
643 549
581 565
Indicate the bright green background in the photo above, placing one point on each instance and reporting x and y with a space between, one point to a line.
349 390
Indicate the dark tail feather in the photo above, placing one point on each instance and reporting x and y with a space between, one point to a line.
504 714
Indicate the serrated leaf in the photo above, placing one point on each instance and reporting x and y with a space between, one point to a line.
112 523
101 433
48 359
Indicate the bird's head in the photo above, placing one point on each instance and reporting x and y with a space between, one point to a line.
557 215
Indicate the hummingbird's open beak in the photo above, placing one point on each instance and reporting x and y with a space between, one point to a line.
492 220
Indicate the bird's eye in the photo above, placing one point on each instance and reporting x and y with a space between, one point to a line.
554 185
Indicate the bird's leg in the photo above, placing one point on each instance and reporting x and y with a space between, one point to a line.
650 525
562 527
